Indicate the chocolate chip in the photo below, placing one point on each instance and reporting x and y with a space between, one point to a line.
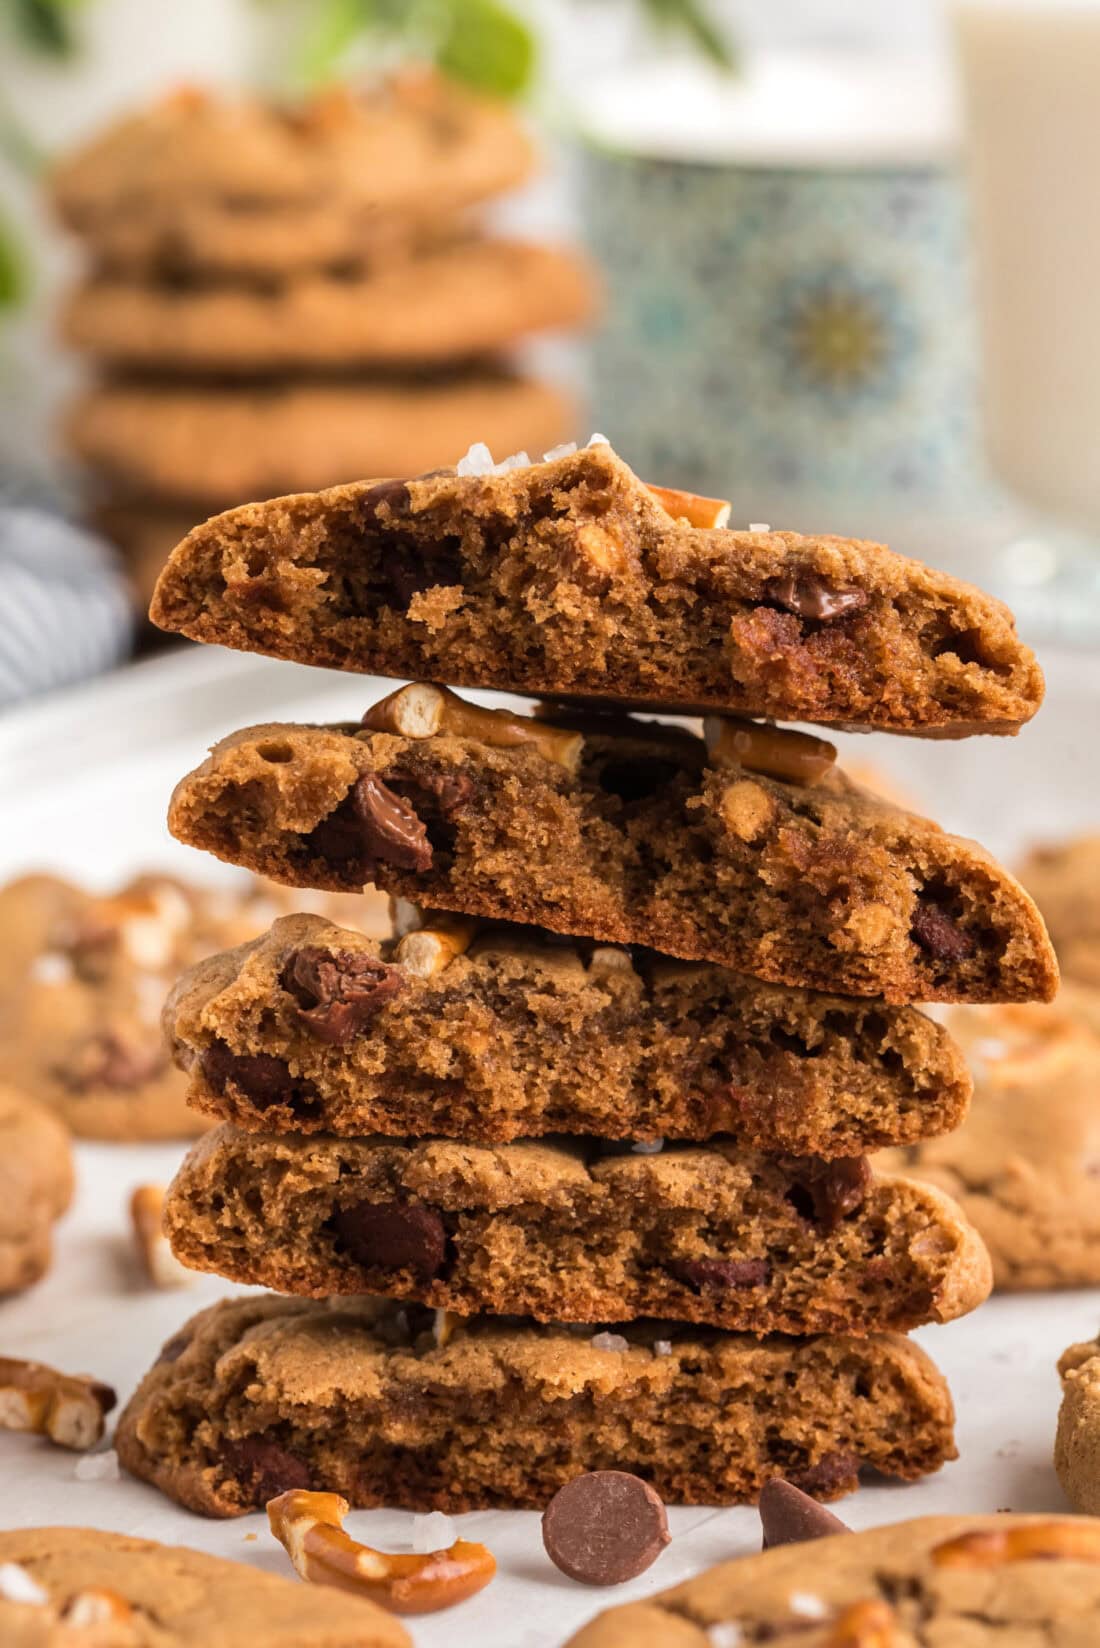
393 494
790 1517
833 1474
721 1273
604 1527
174 1348
828 1192
262 1078
409 568
393 1236
938 933
106 1060
812 596
264 1468
338 992
373 825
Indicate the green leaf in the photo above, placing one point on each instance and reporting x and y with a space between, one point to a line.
44 26
693 18
487 46
13 272
335 26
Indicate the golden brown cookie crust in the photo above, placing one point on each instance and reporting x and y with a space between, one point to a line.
259 1393
36 1186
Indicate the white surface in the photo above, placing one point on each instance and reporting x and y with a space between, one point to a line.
86 779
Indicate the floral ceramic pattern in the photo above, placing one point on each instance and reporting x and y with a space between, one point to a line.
780 335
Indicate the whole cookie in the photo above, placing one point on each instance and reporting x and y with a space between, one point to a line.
82 1588
1023 1163
953 1581
36 1184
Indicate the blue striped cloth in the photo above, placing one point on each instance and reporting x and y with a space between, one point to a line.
65 611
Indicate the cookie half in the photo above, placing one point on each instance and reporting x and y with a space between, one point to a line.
710 1234
491 1034
371 1400
755 853
572 578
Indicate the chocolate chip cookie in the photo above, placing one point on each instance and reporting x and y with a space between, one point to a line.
1024 1164
83 980
711 1234
750 850
84 1588
36 1184
571 577
1064 880
495 1033
955 1581
202 442
386 1405
474 298
196 181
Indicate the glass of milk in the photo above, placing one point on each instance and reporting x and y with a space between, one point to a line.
1031 93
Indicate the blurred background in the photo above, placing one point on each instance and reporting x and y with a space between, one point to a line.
831 259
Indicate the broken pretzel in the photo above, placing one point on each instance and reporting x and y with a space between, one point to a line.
421 710
68 1408
309 1526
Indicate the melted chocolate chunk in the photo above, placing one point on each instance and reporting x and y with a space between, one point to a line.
262 1078
174 1348
264 1468
394 495
812 596
373 825
833 1474
338 992
393 1236
938 933
106 1060
720 1273
828 1192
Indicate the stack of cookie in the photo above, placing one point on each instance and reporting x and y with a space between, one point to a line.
590 1140
282 297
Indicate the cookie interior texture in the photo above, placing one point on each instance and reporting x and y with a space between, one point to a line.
937 1579
261 1394
820 885
314 1028
705 1234
568 577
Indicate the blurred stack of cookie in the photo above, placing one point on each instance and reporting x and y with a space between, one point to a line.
580 1162
281 297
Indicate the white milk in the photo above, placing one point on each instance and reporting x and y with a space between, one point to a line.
1031 82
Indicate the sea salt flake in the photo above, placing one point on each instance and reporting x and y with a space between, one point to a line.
518 460
97 1467
662 1347
647 1147
725 1635
477 461
609 1341
598 440
759 526
807 1606
17 1585
434 1532
51 968
565 450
